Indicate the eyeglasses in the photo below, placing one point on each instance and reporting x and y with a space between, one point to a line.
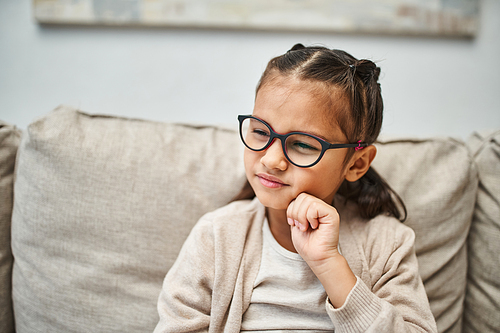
301 149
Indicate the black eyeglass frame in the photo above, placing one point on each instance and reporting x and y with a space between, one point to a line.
273 135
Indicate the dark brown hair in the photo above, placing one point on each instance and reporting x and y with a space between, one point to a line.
359 117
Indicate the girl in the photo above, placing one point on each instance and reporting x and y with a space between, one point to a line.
320 248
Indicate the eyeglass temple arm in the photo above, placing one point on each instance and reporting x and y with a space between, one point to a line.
358 145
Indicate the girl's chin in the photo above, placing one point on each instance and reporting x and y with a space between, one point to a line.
273 202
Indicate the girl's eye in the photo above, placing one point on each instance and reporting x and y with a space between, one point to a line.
260 132
304 147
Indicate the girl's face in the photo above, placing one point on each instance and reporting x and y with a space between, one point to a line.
289 105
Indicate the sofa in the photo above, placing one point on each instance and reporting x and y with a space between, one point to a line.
94 209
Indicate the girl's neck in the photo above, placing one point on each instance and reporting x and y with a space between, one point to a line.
280 228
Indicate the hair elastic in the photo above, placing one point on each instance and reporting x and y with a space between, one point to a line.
359 146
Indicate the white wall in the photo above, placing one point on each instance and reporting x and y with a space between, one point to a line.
431 86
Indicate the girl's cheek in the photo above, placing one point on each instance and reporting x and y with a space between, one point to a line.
246 161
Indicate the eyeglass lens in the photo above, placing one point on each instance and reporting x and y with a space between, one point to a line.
301 149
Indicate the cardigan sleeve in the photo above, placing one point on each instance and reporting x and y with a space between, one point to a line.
395 299
184 303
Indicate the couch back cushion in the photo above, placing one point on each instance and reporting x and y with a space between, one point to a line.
102 207
437 180
482 302
10 137
103 204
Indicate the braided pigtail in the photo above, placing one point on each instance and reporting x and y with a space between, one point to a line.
372 193
374 196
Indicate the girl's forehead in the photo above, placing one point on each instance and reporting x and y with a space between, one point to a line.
296 105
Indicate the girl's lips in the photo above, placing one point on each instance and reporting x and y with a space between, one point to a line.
270 181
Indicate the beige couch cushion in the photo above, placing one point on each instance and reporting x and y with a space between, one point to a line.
438 182
102 206
10 137
482 301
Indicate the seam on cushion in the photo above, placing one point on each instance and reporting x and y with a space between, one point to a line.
383 141
19 135
188 125
22 135
484 141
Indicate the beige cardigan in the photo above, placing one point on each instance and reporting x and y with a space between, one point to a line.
209 287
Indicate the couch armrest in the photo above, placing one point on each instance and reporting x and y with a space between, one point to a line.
482 302
10 137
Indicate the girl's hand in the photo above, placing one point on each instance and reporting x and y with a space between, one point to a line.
315 228
315 236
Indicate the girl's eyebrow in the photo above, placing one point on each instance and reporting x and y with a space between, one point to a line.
306 132
323 137
320 136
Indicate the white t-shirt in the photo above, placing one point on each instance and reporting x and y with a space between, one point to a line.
287 296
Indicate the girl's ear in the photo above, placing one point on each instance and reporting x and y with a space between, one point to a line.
360 163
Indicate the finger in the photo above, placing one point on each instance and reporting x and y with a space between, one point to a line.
299 211
313 211
293 214
292 209
289 214
313 214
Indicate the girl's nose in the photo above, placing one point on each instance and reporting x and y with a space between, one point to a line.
274 158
